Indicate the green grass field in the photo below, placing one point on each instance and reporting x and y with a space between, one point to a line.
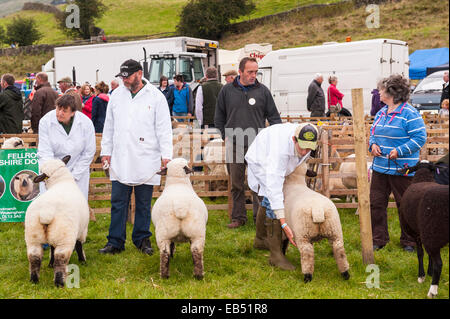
233 269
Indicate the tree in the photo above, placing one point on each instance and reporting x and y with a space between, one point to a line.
78 20
211 18
22 31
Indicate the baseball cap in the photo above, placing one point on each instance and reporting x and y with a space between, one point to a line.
129 67
306 135
65 80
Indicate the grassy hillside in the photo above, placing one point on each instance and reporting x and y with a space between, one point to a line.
423 24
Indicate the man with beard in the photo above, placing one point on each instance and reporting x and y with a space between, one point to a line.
137 137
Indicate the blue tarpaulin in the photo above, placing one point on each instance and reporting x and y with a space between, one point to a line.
423 59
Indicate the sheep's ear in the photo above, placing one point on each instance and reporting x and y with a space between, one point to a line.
66 159
188 170
40 178
17 143
162 172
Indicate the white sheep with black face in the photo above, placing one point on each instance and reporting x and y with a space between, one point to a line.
59 217
312 217
13 143
179 215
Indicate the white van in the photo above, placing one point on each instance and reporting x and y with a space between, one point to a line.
360 64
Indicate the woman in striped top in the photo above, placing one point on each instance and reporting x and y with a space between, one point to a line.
396 137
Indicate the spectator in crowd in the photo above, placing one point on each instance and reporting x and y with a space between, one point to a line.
65 84
230 76
243 106
11 106
87 97
276 152
377 104
43 100
206 98
99 105
183 101
334 96
137 137
167 91
114 85
443 112
315 102
396 137
66 131
78 103
445 88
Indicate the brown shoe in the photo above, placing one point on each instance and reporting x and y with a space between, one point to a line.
236 224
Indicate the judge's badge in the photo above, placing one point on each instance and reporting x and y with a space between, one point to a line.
251 101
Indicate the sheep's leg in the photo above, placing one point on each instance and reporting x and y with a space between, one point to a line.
430 266
35 254
52 257
164 258
197 257
340 257
172 249
421 276
62 257
437 269
80 251
306 258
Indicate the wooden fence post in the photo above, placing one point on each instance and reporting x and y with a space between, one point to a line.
325 165
359 134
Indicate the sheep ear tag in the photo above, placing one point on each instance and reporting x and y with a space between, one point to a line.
66 159
40 178
188 170
162 172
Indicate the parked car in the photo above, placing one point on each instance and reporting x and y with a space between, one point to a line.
427 94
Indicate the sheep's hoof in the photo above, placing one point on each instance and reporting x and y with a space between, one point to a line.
433 291
34 278
59 280
421 280
198 277
165 276
307 278
346 275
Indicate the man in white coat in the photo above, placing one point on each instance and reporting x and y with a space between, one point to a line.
137 136
66 131
274 154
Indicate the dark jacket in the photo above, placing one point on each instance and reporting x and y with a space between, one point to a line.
99 106
445 93
376 102
11 110
249 107
168 93
316 98
43 102
210 90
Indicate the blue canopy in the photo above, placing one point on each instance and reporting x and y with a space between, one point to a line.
423 59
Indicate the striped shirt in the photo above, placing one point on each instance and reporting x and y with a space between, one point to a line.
402 129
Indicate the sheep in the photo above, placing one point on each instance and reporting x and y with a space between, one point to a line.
214 157
59 217
179 215
13 143
312 217
424 215
23 186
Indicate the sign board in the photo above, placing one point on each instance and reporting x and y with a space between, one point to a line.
18 167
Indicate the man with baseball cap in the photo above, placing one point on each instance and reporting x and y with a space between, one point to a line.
136 140
274 154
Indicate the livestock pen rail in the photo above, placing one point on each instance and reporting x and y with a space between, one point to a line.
335 144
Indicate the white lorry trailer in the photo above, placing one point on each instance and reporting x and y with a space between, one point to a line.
359 64
101 62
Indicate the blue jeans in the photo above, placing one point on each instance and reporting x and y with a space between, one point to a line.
179 114
120 201
269 212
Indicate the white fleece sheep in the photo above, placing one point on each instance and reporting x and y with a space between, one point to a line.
59 217
13 143
179 215
312 217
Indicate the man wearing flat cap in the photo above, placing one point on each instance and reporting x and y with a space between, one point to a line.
65 84
230 75
137 137
274 154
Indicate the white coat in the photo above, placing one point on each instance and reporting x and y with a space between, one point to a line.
79 144
270 158
137 135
